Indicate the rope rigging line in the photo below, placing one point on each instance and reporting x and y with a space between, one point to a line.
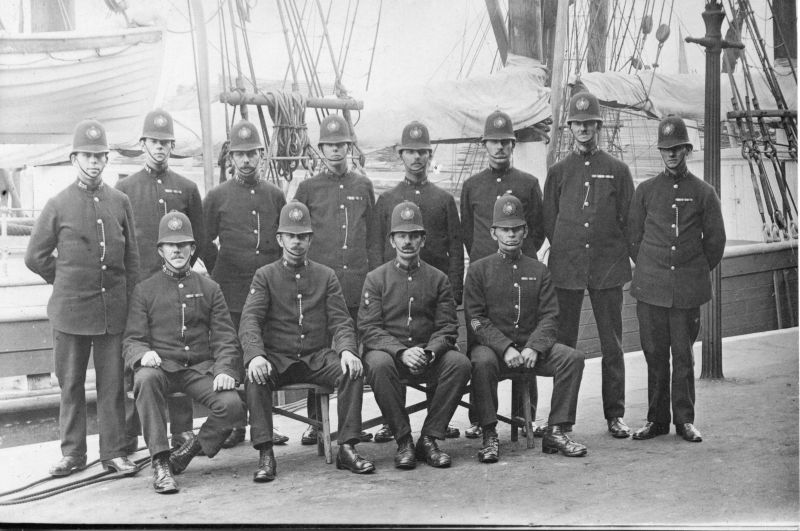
783 40
374 45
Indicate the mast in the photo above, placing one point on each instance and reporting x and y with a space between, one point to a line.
557 88
200 45
598 28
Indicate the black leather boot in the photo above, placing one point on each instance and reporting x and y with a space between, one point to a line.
180 458
267 468
163 482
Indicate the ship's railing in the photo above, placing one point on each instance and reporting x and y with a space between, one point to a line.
16 225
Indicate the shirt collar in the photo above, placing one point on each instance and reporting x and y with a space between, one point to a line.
179 275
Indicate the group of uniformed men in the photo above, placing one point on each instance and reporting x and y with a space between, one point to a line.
373 299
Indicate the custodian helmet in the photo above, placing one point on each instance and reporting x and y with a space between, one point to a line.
244 137
498 127
672 132
158 125
406 217
175 227
508 212
584 107
295 219
334 130
415 136
89 137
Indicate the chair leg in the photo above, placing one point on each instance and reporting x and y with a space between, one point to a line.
514 410
324 401
526 408
318 409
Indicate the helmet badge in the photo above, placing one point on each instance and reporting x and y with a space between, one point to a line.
667 129
160 121
508 208
174 224
332 126
407 214
582 104
244 133
295 214
499 122
415 132
93 133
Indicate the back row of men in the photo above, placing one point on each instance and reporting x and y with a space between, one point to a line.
384 275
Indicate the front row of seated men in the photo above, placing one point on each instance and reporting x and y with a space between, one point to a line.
295 327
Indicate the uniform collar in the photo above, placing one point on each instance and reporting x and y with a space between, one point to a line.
83 186
292 267
501 173
410 269
678 176
418 184
155 173
336 176
511 257
243 182
176 275
587 153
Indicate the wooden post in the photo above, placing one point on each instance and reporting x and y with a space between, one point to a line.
556 80
713 43
499 28
200 40
598 26
525 28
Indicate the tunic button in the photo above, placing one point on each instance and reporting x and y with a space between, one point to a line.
409 279
498 197
514 266
417 192
160 200
180 285
675 186
341 186
344 226
103 267
252 192
516 306
411 339
673 247
672 268
341 206
516 284
255 231
299 295
411 299
344 267
516 326
302 336
586 163
586 224
586 203
254 212
252 290
102 244
297 275
158 181
673 225
186 347
103 290
96 199
498 179
587 245
258 252
586 184
674 205
99 221
183 305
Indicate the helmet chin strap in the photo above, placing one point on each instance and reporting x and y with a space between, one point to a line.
83 172
152 160
240 173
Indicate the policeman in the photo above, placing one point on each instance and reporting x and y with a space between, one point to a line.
341 203
179 337
408 328
154 191
512 311
481 191
294 309
586 201
93 271
677 237
243 213
443 244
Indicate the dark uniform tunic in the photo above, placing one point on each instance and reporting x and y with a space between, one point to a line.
93 273
677 237
291 317
185 320
443 243
152 195
586 202
477 203
509 301
245 218
341 209
404 308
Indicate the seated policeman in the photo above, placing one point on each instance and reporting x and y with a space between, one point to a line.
294 310
179 337
511 307
408 327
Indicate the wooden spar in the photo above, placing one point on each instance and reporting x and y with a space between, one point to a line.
238 98
598 28
525 28
69 41
499 28
200 40
559 44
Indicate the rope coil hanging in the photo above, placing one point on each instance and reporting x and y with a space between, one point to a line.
289 143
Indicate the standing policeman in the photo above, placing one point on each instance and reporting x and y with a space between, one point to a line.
341 203
93 271
154 191
677 237
408 327
478 196
243 213
179 337
443 247
586 201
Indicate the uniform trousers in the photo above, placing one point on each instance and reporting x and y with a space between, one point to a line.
660 330
151 385
446 377
71 360
607 309
350 393
564 364
181 413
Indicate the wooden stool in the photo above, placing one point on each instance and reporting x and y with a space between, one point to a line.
322 407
